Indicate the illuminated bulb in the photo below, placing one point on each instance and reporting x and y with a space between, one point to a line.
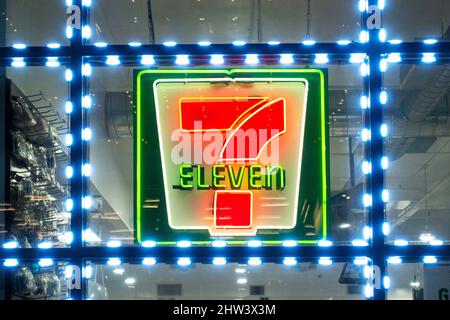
182 60
69 205
69 75
362 5
86 102
309 42
68 237
344 42
114 262
130 281
367 233
219 261
436 242
135 44
239 43
114 244
325 261
149 261
401 243
148 244
170 43
86 134
239 270
384 163
254 262
183 244
368 291
366 167
344 225
87 202
428 57
101 44
415 284
321 58
364 36
86 70
429 259
357 57
68 107
367 200
10 262
112 60
45 245
204 43
216 59
394 57
273 43
147 60
365 135
18 63
219 243
385 195
52 62
359 243
86 32
69 172
286 58
381 4
241 281
254 243
69 139
289 261
364 102
386 228
383 65
430 41
11 245
395 41
289 243
383 97
251 59
86 170
19 46
69 32
53 45
384 130
364 69
184 262
382 35
394 260
45 262
361 261
325 243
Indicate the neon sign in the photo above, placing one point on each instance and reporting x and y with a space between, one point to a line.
231 154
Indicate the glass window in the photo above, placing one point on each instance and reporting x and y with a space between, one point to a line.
233 281
417 147
33 23
33 199
120 22
415 20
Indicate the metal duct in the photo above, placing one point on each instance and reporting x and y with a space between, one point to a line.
417 107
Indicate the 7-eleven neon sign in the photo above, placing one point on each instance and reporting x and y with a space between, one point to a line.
231 151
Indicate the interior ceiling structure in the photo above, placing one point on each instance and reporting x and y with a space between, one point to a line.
419 176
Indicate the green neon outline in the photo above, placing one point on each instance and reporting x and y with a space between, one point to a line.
229 72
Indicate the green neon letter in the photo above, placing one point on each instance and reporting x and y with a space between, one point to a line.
201 185
280 182
217 176
236 182
254 177
186 176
